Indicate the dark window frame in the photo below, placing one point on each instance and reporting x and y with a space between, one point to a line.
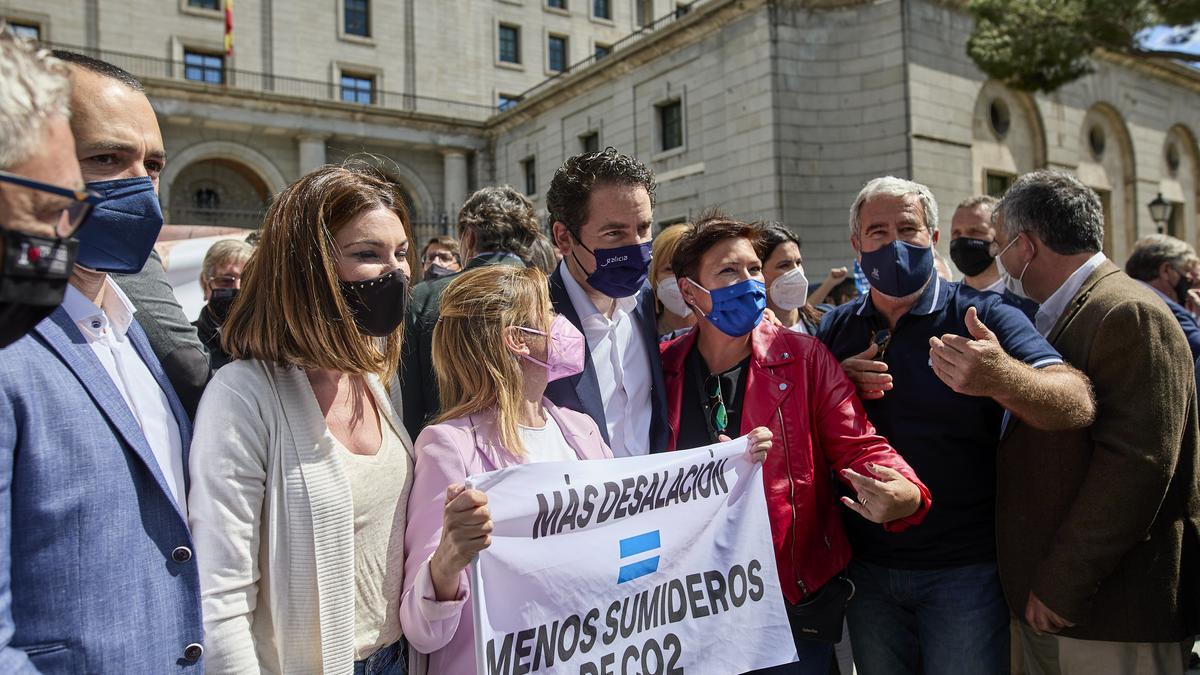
601 50
514 44
670 126
590 142
356 18
356 89
602 9
25 29
199 62
529 174
206 5
563 56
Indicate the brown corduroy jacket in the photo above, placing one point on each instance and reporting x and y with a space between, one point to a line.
1102 523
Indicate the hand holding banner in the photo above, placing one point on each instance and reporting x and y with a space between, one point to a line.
659 565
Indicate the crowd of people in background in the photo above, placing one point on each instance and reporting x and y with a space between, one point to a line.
956 472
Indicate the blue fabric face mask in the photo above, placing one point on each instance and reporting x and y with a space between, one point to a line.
120 234
620 272
898 269
736 309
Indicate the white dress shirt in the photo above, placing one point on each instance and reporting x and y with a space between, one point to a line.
622 368
996 286
1051 310
105 330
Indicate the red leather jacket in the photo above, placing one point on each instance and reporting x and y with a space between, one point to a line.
797 389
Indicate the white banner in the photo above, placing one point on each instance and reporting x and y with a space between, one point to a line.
656 565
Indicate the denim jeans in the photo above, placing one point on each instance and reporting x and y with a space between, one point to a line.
390 660
932 622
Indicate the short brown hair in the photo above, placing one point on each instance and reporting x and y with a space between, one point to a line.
567 198
706 233
290 310
502 219
978 201
445 241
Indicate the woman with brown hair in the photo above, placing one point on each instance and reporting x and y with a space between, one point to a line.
497 344
300 465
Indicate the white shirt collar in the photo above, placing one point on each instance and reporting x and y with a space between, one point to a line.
1051 310
583 304
94 322
996 286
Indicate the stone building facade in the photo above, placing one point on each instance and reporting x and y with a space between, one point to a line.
771 109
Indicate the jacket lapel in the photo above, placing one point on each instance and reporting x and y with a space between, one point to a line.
648 325
768 389
61 335
487 442
575 438
586 386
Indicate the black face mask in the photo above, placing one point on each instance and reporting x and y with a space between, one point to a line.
971 256
437 271
33 278
219 303
377 304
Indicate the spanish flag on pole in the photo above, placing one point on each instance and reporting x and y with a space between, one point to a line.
228 27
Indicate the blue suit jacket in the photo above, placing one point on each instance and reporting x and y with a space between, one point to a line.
90 580
582 392
1190 329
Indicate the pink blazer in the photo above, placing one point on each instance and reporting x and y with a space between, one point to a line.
448 453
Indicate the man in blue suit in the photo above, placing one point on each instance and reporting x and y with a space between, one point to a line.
601 208
97 573
1161 262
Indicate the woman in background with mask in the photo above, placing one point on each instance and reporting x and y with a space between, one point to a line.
736 372
787 285
300 465
674 316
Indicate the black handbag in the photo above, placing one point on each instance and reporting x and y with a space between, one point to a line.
820 615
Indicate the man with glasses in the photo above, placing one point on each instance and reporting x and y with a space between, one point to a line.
440 258
220 280
937 364
96 566
42 199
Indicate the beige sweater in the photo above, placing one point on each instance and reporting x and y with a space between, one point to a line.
273 523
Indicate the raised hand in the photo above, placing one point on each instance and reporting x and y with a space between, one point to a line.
881 500
868 375
975 366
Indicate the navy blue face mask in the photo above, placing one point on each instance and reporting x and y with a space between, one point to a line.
736 309
898 269
120 234
620 272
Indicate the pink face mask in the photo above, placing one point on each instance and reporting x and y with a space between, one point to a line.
564 351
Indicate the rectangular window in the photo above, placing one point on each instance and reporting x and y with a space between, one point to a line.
213 5
357 19
529 170
510 44
682 8
1175 221
557 53
557 4
997 184
30 31
670 125
590 142
507 101
645 12
358 89
602 50
602 9
201 67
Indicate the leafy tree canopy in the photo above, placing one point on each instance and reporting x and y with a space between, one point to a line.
1044 44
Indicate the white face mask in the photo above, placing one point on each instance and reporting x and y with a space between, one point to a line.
790 290
1013 284
668 293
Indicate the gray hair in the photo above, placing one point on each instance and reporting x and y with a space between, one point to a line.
36 88
1149 253
1063 212
502 219
891 186
224 252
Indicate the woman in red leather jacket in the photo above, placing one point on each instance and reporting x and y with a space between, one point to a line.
735 372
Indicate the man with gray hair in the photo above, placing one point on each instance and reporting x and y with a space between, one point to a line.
1097 527
42 197
1162 263
937 364
496 226
220 280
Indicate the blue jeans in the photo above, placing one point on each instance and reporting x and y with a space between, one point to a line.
932 622
390 660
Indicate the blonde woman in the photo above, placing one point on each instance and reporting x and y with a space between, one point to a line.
674 315
497 344
300 465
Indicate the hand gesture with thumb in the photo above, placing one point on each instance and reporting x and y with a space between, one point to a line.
975 366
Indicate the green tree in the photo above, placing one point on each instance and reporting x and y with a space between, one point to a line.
1044 44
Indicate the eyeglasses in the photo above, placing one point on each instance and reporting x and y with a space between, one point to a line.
70 216
716 404
226 281
881 338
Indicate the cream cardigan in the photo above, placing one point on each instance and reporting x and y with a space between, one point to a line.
273 524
